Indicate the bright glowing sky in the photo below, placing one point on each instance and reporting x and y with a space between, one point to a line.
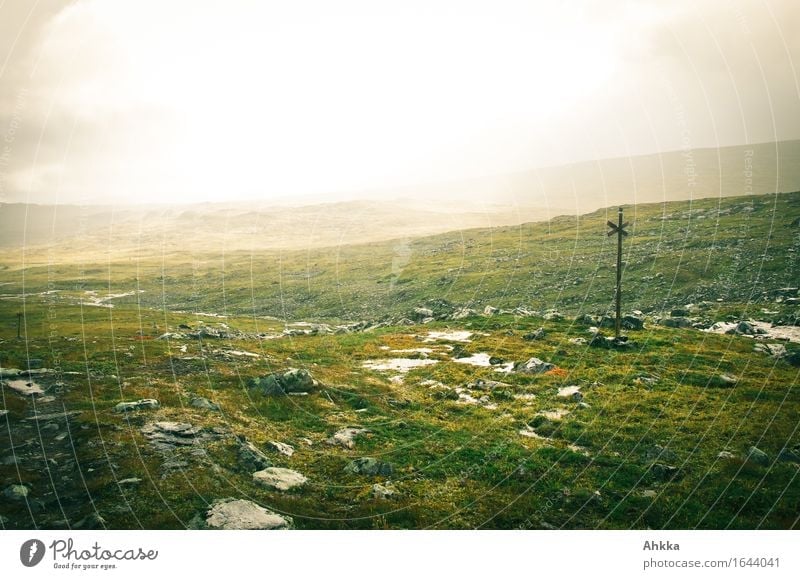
140 100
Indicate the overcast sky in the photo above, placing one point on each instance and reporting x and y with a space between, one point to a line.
139 100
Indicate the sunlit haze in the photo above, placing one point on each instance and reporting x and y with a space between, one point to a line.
136 101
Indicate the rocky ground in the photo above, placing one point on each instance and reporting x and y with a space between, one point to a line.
408 426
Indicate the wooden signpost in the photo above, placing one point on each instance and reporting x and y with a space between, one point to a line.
619 229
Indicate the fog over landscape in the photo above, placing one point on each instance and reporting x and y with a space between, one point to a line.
115 102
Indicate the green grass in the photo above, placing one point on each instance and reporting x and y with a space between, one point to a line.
456 465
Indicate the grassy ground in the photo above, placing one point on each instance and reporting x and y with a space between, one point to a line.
456 465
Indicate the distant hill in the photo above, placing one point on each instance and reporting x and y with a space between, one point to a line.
410 212
671 176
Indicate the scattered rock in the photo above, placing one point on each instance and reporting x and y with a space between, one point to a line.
369 466
239 514
775 350
578 341
587 319
168 436
346 436
144 404
289 382
382 492
281 447
726 455
573 392
279 479
756 456
490 311
657 452
726 380
539 334
553 316
129 481
204 404
533 366
25 387
676 322
631 322
665 472
481 384
420 314
462 313
789 455
793 358
16 493
251 457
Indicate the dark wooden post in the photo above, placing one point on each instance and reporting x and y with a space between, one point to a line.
619 229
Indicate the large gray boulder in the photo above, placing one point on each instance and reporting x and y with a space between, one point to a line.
291 381
239 514
280 479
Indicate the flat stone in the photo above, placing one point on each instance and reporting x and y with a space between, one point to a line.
25 387
346 436
233 514
279 479
54 416
573 392
204 404
281 447
533 366
129 481
144 404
